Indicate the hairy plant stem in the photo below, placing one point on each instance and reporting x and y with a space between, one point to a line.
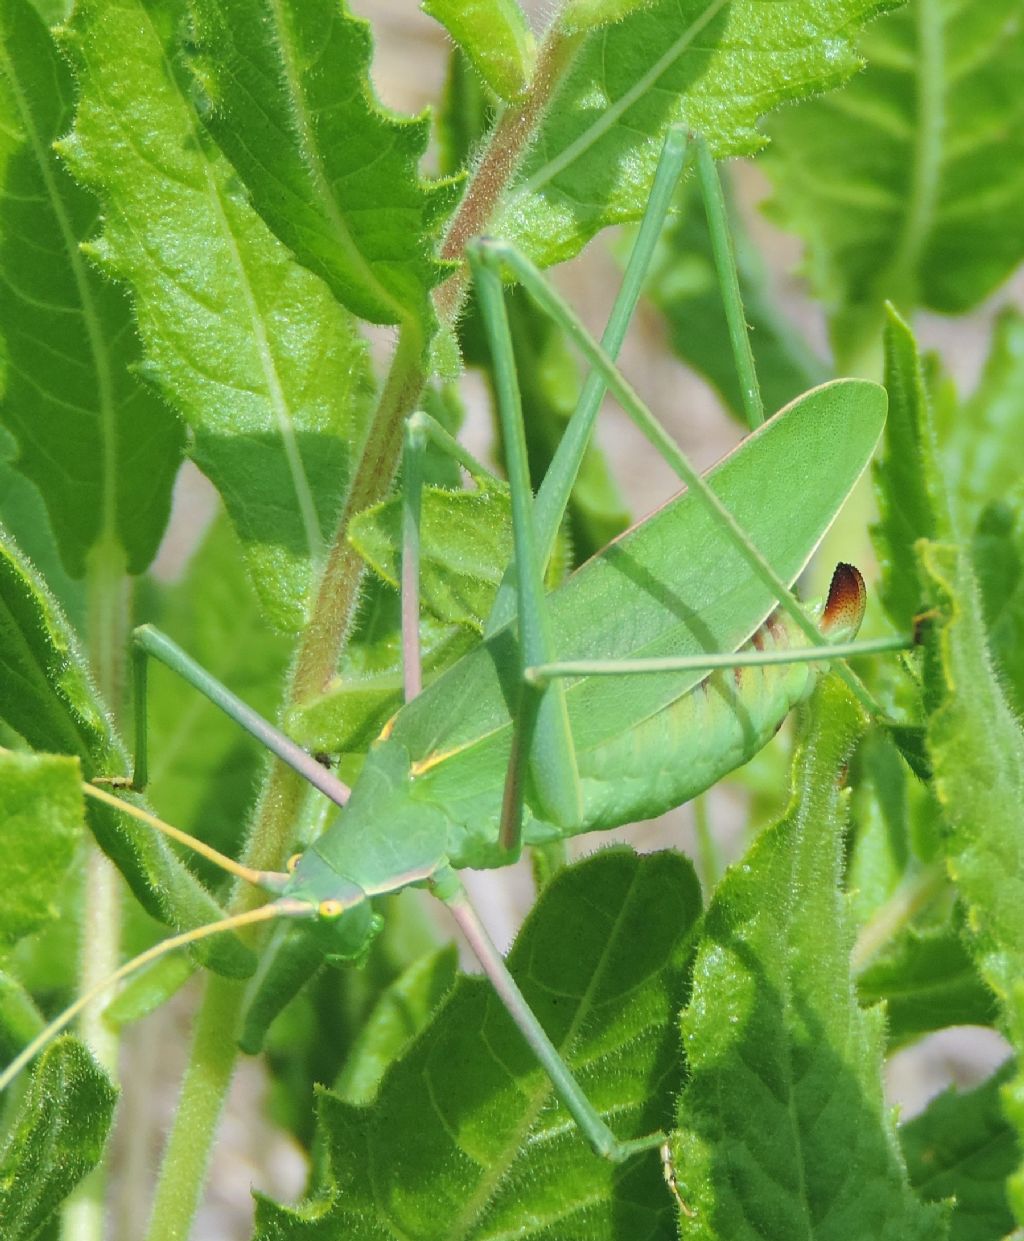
99 949
213 1052
505 149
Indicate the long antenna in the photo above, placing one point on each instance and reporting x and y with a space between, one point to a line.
269 880
265 913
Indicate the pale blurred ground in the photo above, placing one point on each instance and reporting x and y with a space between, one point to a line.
409 72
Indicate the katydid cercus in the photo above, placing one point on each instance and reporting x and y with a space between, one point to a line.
615 697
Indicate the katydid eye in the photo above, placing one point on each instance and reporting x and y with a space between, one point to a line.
292 862
331 909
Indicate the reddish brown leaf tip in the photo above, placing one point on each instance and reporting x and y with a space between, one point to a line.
847 599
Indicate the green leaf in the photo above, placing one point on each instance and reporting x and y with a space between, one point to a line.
977 751
907 184
203 769
253 350
961 1148
997 554
684 285
783 1131
465 1139
980 451
59 1137
23 514
46 695
906 481
466 542
928 982
355 706
715 67
100 446
20 1019
402 1011
495 36
589 14
41 813
331 171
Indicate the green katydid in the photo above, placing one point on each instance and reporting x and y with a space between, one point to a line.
587 707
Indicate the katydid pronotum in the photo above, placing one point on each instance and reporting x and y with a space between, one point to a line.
593 705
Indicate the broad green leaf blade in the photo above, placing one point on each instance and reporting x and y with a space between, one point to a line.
997 553
46 696
41 813
203 769
907 184
466 542
716 67
253 350
333 173
465 1139
58 1138
100 446
981 447
928 982
783 1131
906 481
961 1148
402 1011
683 284
495 36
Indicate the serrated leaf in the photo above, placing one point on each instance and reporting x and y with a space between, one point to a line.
495 36
100 446
961 1148
715 67
331 171
907 184
59 1137
466 542
41 814
264 365
46 695
997 554
784 1099
402 1011
684 285
977 751
981 449
906 480
928 982
465 1139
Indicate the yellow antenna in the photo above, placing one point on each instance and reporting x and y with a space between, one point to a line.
265 913
271 880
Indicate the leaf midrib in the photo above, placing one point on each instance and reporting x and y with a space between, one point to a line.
499 1169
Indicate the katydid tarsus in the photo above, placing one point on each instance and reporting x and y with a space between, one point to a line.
621 693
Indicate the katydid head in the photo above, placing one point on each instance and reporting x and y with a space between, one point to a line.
345 923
